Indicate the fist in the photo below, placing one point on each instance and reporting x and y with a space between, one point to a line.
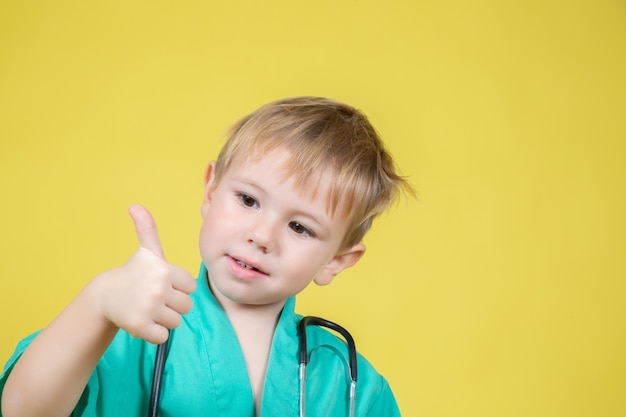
147 296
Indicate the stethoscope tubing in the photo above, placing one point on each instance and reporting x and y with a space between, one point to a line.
157 378
303 354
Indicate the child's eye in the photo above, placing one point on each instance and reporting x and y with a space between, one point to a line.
247 200
300 229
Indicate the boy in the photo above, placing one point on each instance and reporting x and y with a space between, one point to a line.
288 201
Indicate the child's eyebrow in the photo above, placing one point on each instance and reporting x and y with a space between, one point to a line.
247 182
315 219
322 221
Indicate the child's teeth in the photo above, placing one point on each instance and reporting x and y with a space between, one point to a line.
244 265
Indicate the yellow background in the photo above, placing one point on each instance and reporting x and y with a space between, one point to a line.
501 292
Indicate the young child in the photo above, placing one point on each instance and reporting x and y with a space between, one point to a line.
287 202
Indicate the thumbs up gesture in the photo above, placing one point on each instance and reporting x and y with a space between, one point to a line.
147 296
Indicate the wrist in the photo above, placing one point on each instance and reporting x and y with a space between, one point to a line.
93 295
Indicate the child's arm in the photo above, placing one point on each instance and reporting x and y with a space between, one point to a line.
145 297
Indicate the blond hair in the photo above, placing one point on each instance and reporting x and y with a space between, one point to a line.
323 137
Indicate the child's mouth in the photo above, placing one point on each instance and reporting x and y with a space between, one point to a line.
245 265
244 269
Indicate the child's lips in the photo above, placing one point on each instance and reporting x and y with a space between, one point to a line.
247 265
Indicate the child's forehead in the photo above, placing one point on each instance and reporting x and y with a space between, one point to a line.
284 166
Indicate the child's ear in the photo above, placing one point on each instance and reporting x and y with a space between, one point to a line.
209 187
344 259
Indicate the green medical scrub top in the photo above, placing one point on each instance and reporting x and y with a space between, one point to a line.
205 373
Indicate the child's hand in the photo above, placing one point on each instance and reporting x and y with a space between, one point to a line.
146 296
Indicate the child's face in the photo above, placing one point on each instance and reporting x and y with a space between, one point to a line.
263 239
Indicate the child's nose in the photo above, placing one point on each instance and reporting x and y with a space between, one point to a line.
263 234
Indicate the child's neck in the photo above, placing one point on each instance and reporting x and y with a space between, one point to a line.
254 326
255 332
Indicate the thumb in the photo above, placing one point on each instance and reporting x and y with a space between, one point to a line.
146 229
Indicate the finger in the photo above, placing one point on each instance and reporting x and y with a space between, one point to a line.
146 229
179 302
183 281
168 318
154 333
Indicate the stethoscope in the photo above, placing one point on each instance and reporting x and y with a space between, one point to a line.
303 354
